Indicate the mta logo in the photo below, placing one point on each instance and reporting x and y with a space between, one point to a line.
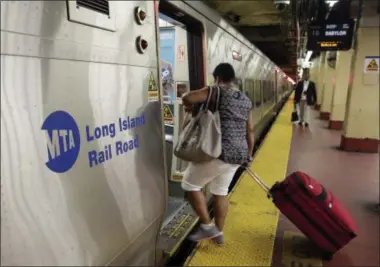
63 141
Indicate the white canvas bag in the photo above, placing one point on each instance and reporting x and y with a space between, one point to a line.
201 139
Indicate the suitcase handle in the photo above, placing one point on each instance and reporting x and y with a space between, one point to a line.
258 181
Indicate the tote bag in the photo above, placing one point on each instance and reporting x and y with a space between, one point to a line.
294 116
201 139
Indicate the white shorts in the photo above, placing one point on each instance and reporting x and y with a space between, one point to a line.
216 172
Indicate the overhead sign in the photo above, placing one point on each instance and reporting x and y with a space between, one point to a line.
371 64
330 36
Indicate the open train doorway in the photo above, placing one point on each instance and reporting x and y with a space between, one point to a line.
182 69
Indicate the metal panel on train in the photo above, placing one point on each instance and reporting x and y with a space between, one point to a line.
83 174
82 177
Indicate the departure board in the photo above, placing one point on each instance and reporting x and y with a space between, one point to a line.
330 36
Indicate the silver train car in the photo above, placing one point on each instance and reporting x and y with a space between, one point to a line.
90 109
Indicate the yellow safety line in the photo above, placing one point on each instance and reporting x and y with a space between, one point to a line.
179 225
252 220
175 248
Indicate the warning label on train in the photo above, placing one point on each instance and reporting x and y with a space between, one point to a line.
168 114
152 89
63 137
181 53
371 64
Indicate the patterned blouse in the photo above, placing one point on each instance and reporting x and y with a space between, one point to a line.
234 110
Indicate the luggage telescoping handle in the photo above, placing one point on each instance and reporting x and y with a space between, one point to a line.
258 181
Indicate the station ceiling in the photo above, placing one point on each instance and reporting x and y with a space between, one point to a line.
273 31
266 27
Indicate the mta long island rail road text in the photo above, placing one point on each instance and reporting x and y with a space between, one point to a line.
118 148
64 140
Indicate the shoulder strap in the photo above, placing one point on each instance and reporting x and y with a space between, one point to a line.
209 97
214 98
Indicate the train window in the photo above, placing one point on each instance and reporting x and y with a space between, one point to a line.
239 83
246 86
265 91
249 89
252 91
269 91
257 88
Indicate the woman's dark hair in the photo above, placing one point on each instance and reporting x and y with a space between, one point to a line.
225 72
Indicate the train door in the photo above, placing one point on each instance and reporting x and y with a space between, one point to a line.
181 61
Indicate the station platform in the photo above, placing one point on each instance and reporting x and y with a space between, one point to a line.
256 234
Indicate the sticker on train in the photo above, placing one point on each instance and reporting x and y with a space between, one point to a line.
371 64
168 115
152 90
63 137
63 141
181 53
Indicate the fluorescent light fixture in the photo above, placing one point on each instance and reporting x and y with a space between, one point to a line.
308 56
331 2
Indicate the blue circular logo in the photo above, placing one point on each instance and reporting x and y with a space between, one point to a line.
63 141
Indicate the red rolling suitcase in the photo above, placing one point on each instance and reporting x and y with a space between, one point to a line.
313 209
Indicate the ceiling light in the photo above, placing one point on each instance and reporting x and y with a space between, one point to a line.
331 2
308 56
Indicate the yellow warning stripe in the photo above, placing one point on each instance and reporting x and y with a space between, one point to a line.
252 220
185 234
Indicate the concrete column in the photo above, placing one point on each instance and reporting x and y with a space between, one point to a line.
320 81
342 81
327 93
361 127
314 70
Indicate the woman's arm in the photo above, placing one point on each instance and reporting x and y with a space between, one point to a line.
194 97
250 138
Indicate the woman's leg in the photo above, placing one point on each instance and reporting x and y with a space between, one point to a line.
302 111
195 178
219 189
197 201
221 210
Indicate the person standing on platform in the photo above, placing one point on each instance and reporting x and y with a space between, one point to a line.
237 147
305 97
